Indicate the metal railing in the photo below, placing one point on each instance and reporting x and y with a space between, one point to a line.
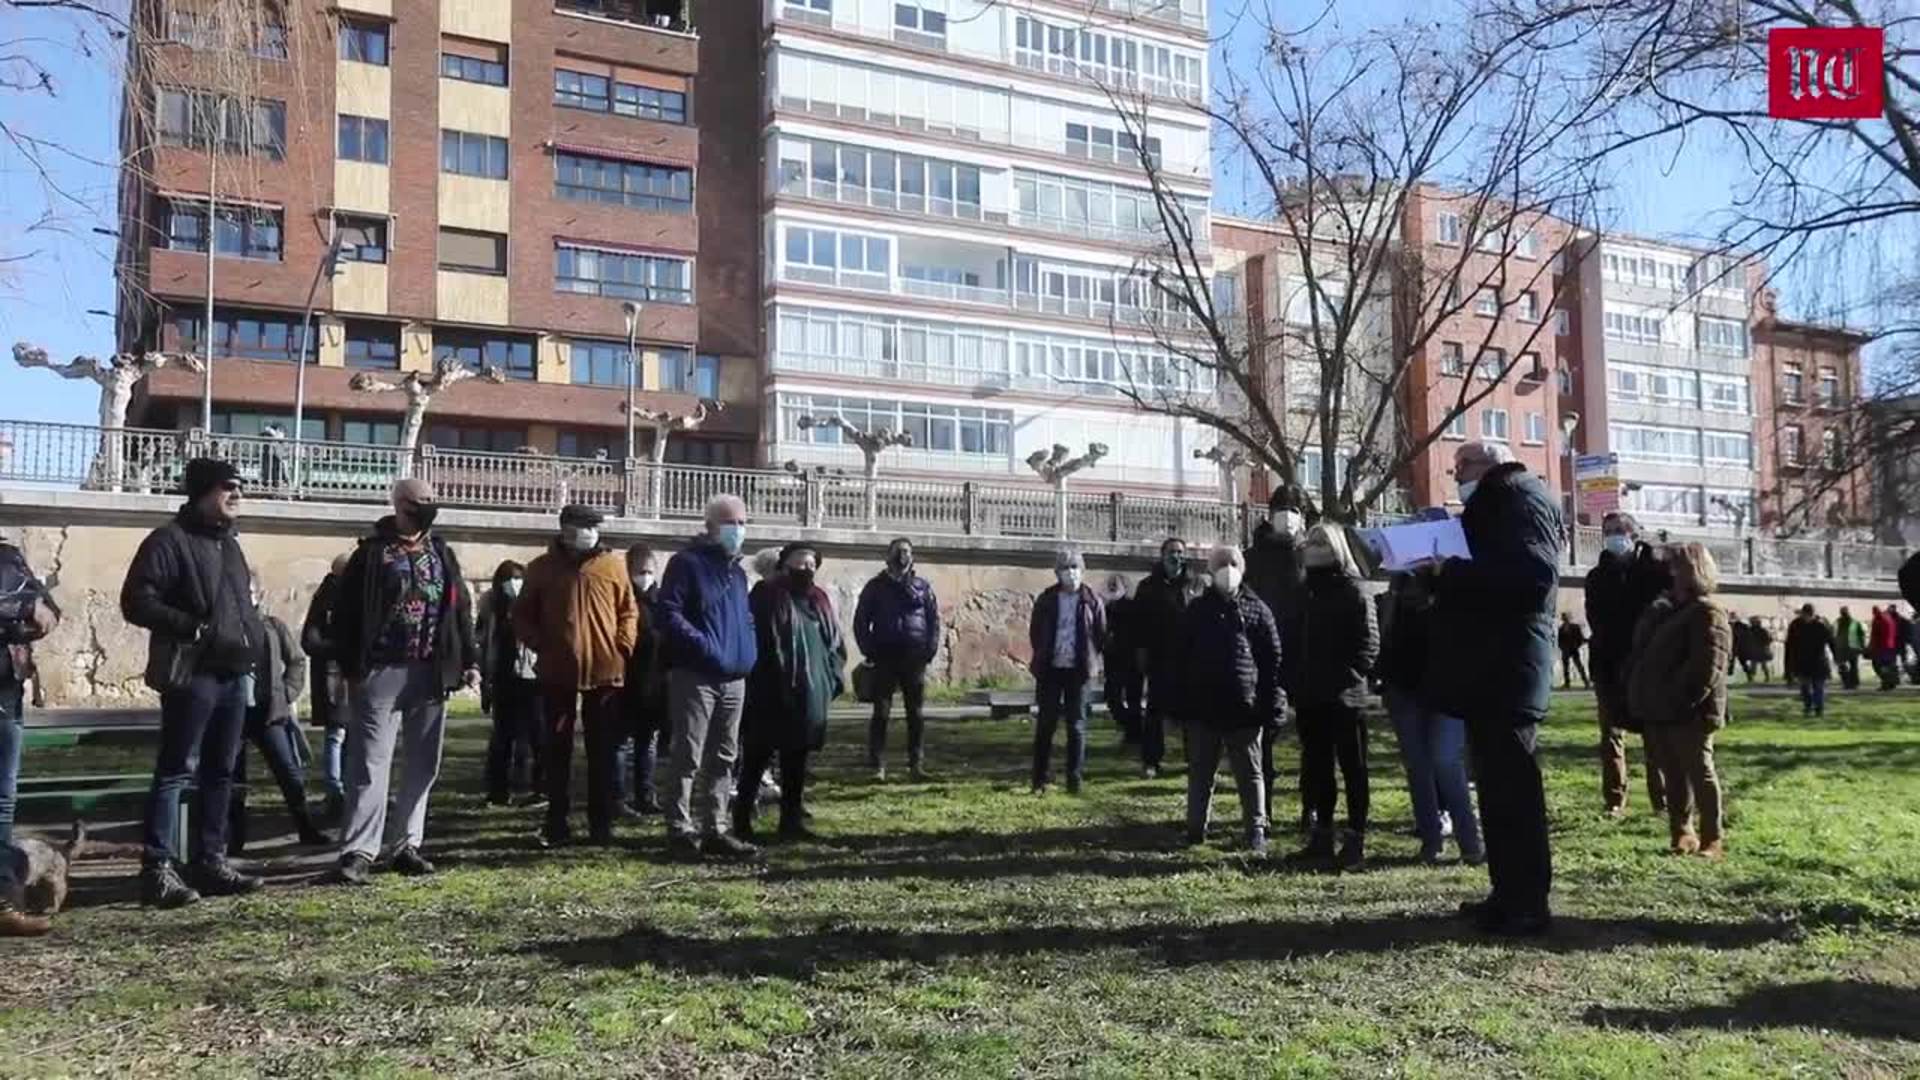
135 460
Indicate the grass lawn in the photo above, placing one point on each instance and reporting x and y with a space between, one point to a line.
965 928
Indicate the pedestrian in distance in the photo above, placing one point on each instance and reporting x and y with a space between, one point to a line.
1493 666
1338 643
1678 683
579 616
799 669
896 624
273 727
188 587
1067 630
646 688
1573 638
1810 641
1227 669
1628 578
1159 603
708 637
404 631
1124 681
509 693
1759 657
1433 744
1850 643
327 692
1883 647
28 613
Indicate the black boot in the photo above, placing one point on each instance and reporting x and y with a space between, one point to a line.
1353 851
217 877
161 887
1319 849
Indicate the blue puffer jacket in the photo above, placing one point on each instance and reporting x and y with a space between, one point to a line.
897 620
704 621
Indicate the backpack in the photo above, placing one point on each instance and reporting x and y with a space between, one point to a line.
19 592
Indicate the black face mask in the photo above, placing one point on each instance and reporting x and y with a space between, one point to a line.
422 515
800 580
900 561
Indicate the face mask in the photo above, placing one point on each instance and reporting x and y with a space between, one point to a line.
511 586
1115 590
731 537
899 562
423 515
801 580
1287 522
643 581
1467 488
257 599
1619 543
1171 564
583 539
1069 577
1226 580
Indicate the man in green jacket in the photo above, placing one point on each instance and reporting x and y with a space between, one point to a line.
1850 641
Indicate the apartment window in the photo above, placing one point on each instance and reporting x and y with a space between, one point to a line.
599 363
1829 387
1226 294
922 17
687 374
362 239
1448 226
1528 246
478 350
473 61
1727 336
363 42
1529 307
201 30
1831 452
600 444
1562 325
628 183
1635 442
1642 329
1456 427
1792 439
473 252
1566 381
1487 301
600 93
1453 358
245 334
373 346
1491 364
199 119
946 429
1725 394
363 138
1793 380
370 432
624 275
467 154
1727 447
248 423
486 440
1536 429
830 258
241 232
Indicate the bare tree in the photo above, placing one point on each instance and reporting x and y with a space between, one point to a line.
421 388
116 378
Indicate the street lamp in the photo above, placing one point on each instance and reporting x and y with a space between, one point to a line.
631 310
1570 423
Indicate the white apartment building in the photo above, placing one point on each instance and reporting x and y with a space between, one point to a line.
955 221
1667 362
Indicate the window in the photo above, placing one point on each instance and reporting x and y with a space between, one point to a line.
624 275
466 154
1793 384
1644 329
922 17
473 61
1792 438
364 42
1722 393
199 30
1226 294
834 258
939 429
245 423
1562 326
1529 366
1453 358
471 437
1636 442
197 119
478 350
1529 307
1727 336
1566 381
374 346
1487 301
1665 501
1727 447
599 363
239 231
362 239
473 252
628 183
1528 247
696 375
370 432
1448 224
597 444
1829 387
363 138
245 334
1456 427
1493 424
1831 454
1490 364
600 93
1536 429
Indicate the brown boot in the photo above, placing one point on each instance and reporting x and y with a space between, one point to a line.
1686 844
1715 850
17 923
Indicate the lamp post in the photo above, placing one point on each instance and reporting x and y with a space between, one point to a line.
871 444
631 310
1054 467
1570 423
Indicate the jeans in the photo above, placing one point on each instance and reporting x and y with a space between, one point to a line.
706 745
598 711
1241 747
515 745
911 680
11 736
285 747
403 705
1513 813
1061 695
1153 735
1330 733
1433 749
1813 697
330 755
201 727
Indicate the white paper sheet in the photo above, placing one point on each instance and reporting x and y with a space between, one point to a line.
1402 547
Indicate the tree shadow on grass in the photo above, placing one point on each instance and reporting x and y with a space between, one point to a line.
1869 1010
806 954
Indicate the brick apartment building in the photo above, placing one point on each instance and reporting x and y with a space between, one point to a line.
1817 479
501 178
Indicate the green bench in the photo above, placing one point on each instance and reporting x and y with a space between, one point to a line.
1004 703
65 798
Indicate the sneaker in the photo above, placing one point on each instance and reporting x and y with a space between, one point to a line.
1431 854
354 869
1257 842
728 847
1353 852
1616 812
217 877
551 837
499 799
1686 844
1196 837
161 887
1715 851
17 923
683 847
1446 825
1149 772
408 862
879 774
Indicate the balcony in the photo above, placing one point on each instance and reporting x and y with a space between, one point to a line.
673 16
1190 14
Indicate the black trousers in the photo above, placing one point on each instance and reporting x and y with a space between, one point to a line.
1125 685
285 748
1570 662
910 679
1850 670
1331 734
599 712
753 769
516 743
1513 813
1062 697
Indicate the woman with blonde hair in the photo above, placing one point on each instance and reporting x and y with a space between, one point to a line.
1339 641
1677 682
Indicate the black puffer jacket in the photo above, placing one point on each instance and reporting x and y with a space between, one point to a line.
190 578
1159 606
1910 580
1493 640
365 604
1405 633
1227 663
1338 643
1620 589
1276 575
1809 644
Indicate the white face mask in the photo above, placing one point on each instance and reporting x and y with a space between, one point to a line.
643 580
1226 580
1618 543
1287 522
584 538
511 587
1069 576
1467 488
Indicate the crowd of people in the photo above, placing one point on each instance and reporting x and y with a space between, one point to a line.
699 695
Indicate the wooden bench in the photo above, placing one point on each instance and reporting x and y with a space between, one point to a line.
1004 703
67 798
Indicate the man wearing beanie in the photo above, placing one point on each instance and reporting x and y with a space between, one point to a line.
189 588
403 637
577 613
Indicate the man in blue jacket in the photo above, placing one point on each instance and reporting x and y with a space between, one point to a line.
897 626
1492 664
707 635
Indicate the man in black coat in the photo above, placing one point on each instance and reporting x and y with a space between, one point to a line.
1495 646
1276 574
896 623
1620 588
188 586
1158 605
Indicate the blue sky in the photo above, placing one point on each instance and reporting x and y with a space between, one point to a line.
46 299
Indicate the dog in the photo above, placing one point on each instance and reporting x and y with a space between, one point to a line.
41 869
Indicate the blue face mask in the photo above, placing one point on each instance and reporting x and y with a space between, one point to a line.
731 537
1619 543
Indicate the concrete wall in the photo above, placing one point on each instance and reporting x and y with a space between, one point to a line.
985 585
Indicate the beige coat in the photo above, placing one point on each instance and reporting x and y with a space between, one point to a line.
1678 672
